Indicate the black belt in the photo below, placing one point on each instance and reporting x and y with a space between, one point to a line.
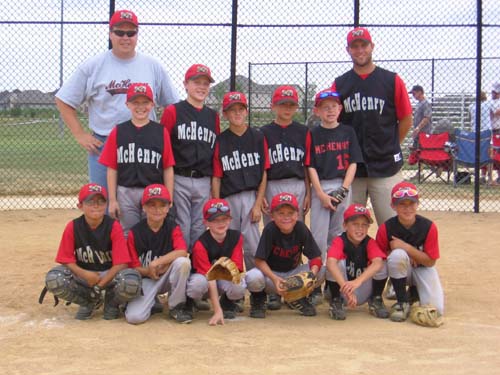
187 172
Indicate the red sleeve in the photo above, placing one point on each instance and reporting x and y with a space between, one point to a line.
108 155
66 252
178 242
401 99
119 250
237 255
431 244
315 262
169 118
217 165
168 155
382 240
267 163
134 259
336 249
307 160
334 86
373 250
217 123
200 258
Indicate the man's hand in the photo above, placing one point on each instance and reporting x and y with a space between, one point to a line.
88 142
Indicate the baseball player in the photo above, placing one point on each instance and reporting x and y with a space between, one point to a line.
354 263
331 164
93 256
376 104
283 243
137 153
288 144
240 163
158 252
193 129
217 241
411 242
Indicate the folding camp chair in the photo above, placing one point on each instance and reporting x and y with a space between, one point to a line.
464 154
432 153
495 156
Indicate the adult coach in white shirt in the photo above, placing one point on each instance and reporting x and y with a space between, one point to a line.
102 82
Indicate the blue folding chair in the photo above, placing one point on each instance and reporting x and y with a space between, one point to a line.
464 154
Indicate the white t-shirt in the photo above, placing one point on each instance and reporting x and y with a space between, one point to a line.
485 116
102 82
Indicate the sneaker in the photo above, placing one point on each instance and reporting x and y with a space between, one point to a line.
337 311
201 305
304 306
111 308
399 311
377 307
229 308
258 305
273 302
84 312
317 296
180 314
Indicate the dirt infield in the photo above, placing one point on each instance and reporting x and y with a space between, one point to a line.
40 339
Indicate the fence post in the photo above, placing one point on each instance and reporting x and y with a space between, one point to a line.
234 32
479 35
249 93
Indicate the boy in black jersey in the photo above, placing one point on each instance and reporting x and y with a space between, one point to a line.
217 241
279 255
158 252
355 264
137 154
412 247
93 256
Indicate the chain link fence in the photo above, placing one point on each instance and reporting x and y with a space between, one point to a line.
447 47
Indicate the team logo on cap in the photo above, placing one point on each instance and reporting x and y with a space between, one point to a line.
235 96
355 33
140 89
126 15
95 188
360 210
285 198
287 92
202 69
153 192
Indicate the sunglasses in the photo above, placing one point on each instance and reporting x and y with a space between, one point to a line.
122 33
220 208
408 192
328 94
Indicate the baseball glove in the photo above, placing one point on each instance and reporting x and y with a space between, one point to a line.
339 194
298 286
224 269
426 316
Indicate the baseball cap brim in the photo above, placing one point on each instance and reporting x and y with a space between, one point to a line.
92 195
202 75
396 201
218 214
282 101
285 204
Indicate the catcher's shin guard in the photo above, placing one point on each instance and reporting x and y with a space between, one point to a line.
61 282
126 285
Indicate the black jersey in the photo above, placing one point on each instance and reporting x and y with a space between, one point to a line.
369 107
287 148
93 247
416 235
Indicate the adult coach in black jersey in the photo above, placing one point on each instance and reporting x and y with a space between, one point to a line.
376 103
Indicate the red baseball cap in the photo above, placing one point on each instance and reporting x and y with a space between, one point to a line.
285 94
283 199
214 208
123 16
326 94
155 191
198 70
233 97
359 33
355 210
139 89
89 190
404 191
